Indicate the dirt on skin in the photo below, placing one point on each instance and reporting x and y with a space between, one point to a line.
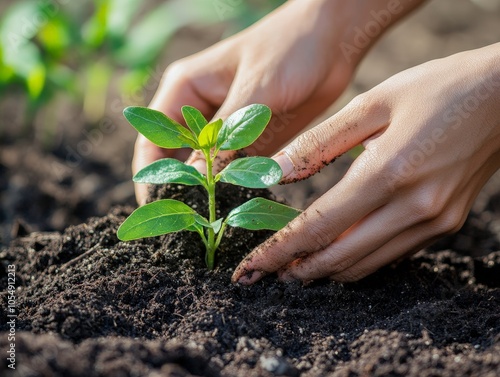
89 305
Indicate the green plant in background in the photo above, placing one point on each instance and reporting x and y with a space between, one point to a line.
238 131
75 49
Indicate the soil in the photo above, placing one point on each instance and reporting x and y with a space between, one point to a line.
89 305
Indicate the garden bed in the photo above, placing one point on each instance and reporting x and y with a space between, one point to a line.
89 305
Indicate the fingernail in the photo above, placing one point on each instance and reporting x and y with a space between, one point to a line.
250 277
285 163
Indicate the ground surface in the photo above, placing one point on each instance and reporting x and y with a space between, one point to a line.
150 308
88 305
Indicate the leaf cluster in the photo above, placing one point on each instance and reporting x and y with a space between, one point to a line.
238 131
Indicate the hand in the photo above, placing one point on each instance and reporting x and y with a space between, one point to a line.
432 140
291 61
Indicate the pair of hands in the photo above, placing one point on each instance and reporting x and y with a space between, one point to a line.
431 136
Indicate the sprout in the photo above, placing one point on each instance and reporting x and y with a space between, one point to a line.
238 131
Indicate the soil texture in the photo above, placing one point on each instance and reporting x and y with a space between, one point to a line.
89 305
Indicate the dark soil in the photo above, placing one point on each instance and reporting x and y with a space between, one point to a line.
89 305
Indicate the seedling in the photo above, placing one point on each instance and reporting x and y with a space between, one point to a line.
238 131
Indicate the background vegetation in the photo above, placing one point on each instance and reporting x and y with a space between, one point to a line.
52 51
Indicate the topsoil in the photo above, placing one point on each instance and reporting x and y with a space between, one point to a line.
89 305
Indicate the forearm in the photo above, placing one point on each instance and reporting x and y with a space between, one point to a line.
352 27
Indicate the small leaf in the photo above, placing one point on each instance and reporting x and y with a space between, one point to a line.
260 213
243 127
158 128
194 119
208 136
252 172
202 221
170 170
188 140
157 218
195 227
216 225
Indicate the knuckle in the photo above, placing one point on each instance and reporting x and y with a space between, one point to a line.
337 259
426 206
316 238
364 104
450 222
395 175
339 266
177 71
376 173
310 140
425 209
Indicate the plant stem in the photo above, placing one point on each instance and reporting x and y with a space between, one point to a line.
211 245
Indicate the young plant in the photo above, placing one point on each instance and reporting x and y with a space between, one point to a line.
238 131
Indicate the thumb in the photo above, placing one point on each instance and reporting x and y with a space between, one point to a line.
316 148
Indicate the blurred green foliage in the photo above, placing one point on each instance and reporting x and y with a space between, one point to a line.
74 47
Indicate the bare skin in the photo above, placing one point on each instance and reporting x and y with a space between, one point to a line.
293 60
432 141
431 134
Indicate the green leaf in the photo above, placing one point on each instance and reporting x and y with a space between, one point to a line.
195 227
202 221
170 170
243 127
158 128
157 218
194 119
216 225
260 213
252 172
208 135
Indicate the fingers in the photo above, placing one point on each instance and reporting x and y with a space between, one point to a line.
405 244
316 228
352 257
384 236
359 241
318 147
358 194
178 88
357 252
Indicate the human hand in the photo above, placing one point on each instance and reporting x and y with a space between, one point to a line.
432 140
291 60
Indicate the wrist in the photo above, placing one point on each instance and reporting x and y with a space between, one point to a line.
357 25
